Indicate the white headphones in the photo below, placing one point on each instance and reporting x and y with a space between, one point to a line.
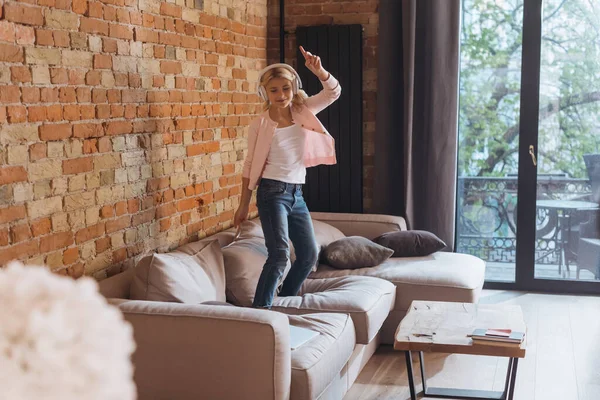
296 83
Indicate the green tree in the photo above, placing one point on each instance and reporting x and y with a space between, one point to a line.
569 116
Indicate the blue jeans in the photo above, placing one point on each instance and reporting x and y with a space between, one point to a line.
284 215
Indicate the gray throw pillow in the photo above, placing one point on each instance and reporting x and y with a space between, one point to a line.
411 243
354 252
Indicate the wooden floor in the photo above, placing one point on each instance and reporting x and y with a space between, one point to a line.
562 362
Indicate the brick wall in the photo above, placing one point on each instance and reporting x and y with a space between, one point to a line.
122 125
336 12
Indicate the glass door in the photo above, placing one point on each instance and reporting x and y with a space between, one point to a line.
488 134
567 239
529 142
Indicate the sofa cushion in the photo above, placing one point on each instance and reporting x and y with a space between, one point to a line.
192 274
354 252
440 276
325 233
316 363
411 243
367 300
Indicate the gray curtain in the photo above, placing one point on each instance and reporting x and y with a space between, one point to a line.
417 110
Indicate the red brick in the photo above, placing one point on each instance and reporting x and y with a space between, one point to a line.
37 151
70 255
54 113
170 67
102 61
4 237
78 165
104 145
71 112
80 6
19 233
41 227
23 14
7 31
84 95
49 95
210 222
102 245
20 74
61 38
88 130
90 146
145 35
118 224
25 35
43 37
36 114
99 95
165 210
119 127
187 204
55 132
9 94
107 212
121 208
165 224
18 252
31 94
171 10
12 174
56 241
11 53
67 95
121 32
89 233
119 255
133 206
76 77
93 26
195 149
16 114
63 4
144 217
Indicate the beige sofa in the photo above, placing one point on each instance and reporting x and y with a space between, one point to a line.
208 351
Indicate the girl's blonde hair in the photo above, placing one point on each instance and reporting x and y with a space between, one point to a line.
299 98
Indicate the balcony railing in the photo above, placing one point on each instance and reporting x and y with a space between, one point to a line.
487 215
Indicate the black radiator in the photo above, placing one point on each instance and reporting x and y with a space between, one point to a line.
337 188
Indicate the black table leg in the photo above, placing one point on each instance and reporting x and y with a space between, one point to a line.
513 378
411 378
466 394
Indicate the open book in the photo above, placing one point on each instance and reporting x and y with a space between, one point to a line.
299 336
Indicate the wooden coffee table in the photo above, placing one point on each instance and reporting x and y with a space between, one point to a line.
442 327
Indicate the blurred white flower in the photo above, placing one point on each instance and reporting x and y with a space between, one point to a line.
60 339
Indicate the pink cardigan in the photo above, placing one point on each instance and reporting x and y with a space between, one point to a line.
319 147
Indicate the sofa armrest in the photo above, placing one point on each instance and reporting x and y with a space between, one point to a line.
213 352
367 225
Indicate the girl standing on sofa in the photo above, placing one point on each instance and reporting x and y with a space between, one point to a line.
282 142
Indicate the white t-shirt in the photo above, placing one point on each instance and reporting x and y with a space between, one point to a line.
285 160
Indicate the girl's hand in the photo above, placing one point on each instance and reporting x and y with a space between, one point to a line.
313 63
240 216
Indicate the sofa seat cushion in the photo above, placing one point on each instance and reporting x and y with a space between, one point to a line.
367 300
316 363
438 277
